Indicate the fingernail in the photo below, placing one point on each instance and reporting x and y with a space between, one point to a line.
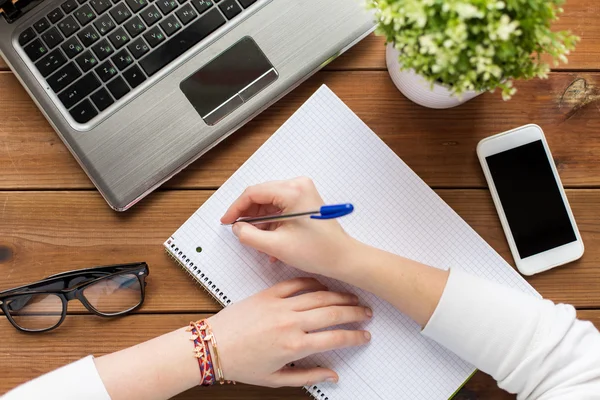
367 335
236 229
369 312
331 380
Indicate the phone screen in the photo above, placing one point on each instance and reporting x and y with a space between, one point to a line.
531 199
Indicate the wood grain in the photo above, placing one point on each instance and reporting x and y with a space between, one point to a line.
438 144
43 233
23 357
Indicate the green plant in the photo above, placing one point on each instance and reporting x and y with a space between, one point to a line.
476 45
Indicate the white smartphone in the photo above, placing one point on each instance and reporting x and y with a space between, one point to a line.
531 202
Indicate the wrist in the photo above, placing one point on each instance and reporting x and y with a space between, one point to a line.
352 264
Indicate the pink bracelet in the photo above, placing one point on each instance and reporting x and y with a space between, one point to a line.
202 352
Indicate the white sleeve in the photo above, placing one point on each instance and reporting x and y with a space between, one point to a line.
531 346
75 381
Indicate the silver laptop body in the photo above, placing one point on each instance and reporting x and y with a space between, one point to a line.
170 115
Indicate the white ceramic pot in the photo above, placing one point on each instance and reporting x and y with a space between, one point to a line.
417 89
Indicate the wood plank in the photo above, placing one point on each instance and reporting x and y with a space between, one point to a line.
23 357
438 144
581 17
43 233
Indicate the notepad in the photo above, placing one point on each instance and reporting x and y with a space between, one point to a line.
394 210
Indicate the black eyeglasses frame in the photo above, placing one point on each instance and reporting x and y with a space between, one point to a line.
70 291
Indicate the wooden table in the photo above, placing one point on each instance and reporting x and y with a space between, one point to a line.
52 219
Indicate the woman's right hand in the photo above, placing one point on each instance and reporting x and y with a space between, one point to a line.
320 247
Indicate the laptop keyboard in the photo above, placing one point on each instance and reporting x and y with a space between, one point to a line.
94 52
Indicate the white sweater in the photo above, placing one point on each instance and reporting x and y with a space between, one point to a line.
532 347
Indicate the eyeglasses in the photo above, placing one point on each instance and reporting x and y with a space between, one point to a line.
106 291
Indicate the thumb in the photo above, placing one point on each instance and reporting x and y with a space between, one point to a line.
258 239
303 377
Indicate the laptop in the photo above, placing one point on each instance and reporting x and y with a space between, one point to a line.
139 89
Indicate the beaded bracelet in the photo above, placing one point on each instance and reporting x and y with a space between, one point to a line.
202 353
210 344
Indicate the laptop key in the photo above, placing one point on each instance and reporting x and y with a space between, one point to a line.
230 8
183 41
186 14
102 99
84 14
104 24
88 36
202 5
68 26
134 76
63 77
154 36
55 15
170 25
120 13
100 5
138 48
41 25
35 50
118 38
53 61
79 90
117 87
106 71
72 47
69 5
122 59
52 37
151 15
26 36
135 26
247 3
166 6
83 112
136 5
103 49
87 61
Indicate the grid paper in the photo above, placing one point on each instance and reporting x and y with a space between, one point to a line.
326 141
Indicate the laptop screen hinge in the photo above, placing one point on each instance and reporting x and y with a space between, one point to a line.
14 9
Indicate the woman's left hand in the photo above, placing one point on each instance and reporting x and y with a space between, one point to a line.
260 335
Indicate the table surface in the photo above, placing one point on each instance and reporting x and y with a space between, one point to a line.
53 220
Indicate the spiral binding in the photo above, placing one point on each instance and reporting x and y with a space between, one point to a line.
315 392
195 272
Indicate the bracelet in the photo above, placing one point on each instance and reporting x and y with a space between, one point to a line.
208 336
202 353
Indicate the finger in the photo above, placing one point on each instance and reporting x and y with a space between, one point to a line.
303 377
291 287
259 239
319 342
309 301
325 317
276 193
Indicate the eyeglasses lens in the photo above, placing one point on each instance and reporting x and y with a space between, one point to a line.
35 312
114 295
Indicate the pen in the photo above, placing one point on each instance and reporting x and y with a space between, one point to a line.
325 212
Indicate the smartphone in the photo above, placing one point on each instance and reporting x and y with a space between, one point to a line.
530 200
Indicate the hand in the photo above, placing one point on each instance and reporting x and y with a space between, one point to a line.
260 335
312 246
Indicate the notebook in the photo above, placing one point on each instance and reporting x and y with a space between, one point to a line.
394 210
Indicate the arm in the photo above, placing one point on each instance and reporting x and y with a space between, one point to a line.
530 346
257 338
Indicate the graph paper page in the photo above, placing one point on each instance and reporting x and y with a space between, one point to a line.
394 210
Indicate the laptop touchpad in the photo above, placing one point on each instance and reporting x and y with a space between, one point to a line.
229 80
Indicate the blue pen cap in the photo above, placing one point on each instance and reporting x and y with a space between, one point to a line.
334 211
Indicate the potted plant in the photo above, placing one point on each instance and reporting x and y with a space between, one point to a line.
441 53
